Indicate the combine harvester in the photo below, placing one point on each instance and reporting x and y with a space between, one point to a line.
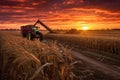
32 31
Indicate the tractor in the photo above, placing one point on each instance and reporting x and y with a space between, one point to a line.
32 31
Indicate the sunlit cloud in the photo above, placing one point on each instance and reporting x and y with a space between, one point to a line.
19 0
64 14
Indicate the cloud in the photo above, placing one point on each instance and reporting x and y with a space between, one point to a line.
59 12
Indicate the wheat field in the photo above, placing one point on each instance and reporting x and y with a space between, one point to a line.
27 60
22 59
100 42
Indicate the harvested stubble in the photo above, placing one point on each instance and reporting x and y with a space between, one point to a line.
32 60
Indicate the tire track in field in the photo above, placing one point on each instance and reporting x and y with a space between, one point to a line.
106 69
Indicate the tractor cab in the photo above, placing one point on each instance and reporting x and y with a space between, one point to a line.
35 28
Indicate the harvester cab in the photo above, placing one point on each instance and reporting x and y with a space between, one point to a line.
33 31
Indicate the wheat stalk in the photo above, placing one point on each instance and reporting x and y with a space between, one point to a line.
39 69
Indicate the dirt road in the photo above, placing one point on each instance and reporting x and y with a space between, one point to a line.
107 69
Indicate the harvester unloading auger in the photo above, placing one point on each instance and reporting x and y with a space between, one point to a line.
40 22
32 31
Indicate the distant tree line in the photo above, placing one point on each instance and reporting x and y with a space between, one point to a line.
116 29
9 29
75 31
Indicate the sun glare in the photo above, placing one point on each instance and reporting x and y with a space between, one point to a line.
84 28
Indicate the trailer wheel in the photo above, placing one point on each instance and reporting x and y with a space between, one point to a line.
23 34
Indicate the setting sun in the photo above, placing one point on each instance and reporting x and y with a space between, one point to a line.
84 28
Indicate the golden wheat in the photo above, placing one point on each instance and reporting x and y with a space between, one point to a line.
32 60
95 43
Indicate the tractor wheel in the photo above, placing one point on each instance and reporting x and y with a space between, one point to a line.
29 36
40 36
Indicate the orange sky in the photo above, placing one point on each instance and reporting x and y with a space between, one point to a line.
61 14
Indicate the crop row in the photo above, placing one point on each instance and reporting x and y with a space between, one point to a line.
89 43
